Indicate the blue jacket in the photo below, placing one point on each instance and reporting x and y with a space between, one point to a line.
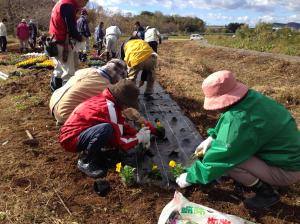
83 26
99 34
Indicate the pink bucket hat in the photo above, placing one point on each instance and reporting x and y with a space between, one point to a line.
222 90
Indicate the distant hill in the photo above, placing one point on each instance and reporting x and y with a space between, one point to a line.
290 25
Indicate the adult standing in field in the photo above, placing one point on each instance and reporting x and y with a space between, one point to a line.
23 35
98 124
139 30
63 29
86 83
33 32
256 142
112 34
3 34
99 37
153 37
83 29
140 58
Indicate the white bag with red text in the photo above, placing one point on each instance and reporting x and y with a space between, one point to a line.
182 211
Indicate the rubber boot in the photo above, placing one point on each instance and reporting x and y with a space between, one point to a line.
240 190
265 196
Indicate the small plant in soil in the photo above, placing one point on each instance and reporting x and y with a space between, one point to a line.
126 173
2 216
155 173
176 168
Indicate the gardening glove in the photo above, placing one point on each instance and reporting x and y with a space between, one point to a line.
203 146
181 181
143 137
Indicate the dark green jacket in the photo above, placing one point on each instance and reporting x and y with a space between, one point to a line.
256 126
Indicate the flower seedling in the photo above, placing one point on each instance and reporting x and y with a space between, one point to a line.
126 173
176 169
155 173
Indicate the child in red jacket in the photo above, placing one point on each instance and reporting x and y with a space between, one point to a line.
97 123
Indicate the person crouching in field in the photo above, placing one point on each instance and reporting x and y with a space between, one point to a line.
140 58
98 124
85 84
256 142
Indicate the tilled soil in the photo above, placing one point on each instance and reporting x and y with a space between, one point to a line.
42 184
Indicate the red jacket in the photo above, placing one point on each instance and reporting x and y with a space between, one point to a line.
23 31
96 110
58 27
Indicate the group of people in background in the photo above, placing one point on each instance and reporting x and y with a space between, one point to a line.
68 33
26 33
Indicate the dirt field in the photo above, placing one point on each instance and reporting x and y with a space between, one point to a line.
43 185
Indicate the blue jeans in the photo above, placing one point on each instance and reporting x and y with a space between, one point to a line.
94 138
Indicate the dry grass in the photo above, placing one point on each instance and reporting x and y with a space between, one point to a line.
184 65
30 177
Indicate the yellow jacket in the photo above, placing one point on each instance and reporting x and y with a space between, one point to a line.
136 52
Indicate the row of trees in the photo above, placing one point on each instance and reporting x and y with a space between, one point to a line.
230 28
40 11
165 23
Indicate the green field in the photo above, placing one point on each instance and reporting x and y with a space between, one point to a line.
262 38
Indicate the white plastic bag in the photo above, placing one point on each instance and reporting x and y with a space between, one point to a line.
182 211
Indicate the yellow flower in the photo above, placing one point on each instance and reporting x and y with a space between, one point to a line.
154 167
172 163
31 61
118 167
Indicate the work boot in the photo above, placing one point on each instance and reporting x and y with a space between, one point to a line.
265 196
240 190
91 168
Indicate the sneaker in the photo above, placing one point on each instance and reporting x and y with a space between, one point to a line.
91 169
82 163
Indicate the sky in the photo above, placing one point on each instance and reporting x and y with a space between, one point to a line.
214 12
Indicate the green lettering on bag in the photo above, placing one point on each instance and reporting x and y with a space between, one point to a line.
193 210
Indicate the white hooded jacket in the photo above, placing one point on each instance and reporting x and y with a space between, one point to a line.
152 34
3 32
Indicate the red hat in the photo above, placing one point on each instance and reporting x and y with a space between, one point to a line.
222 90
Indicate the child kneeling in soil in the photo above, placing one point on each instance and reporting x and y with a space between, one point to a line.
256 142
98 124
